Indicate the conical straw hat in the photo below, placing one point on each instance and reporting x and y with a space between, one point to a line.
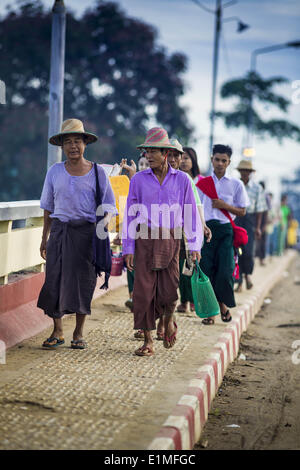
72 126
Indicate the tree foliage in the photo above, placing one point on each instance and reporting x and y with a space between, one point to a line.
254 88
117 78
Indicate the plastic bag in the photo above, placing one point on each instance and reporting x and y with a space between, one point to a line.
205 301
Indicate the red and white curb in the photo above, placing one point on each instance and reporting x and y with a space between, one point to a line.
182 429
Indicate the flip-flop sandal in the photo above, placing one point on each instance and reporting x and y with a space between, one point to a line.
225 318
139 334
129 304
170 341
78 344
181 308
55 342
144 351
208 321
192 307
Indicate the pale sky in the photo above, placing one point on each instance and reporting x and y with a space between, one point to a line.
185 27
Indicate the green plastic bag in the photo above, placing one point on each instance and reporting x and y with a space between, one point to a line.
205 301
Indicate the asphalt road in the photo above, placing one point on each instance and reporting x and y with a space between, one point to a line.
258 403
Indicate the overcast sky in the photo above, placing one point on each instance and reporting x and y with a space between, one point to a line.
185 27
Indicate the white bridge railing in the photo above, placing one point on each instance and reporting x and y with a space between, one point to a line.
21 226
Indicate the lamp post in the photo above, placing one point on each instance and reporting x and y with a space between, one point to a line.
253 59
218 27
218 24
57 69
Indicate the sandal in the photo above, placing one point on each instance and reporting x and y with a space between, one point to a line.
139 334
208 321
129 304
160 336
192 307
170 341
182 308
225 317
53 342
144 351
78 344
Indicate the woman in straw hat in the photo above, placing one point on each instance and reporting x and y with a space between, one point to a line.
251 222
69 202
158 199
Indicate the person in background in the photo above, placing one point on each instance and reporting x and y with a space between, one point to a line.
189 163
251 222
286 216
261 243
131 169
185 288
292 233
272 228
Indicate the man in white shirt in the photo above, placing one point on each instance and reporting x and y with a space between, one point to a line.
217 260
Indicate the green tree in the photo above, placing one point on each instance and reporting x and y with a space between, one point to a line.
117 77
254 87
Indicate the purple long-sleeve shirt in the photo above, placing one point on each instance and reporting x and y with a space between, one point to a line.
169 205
70 197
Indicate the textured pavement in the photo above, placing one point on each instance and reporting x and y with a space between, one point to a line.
104 397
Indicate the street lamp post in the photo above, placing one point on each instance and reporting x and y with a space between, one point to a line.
57 69
218 26
253 59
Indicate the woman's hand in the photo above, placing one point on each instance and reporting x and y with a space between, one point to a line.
207 233
129 262
196 256
130 168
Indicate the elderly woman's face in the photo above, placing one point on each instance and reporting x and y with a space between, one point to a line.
73 146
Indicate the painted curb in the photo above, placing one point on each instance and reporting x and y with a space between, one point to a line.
182 429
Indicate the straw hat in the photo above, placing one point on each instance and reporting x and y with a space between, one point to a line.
72 126
245 165
177 145
157 137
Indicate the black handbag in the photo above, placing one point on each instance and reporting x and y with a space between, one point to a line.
101 247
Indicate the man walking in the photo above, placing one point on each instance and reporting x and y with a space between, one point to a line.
252 222
69 203
217 260
160 203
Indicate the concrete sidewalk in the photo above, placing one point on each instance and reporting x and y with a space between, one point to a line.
107 398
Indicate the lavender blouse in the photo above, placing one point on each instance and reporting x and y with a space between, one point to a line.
70 197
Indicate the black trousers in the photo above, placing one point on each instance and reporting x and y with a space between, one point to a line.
246 259
217 261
